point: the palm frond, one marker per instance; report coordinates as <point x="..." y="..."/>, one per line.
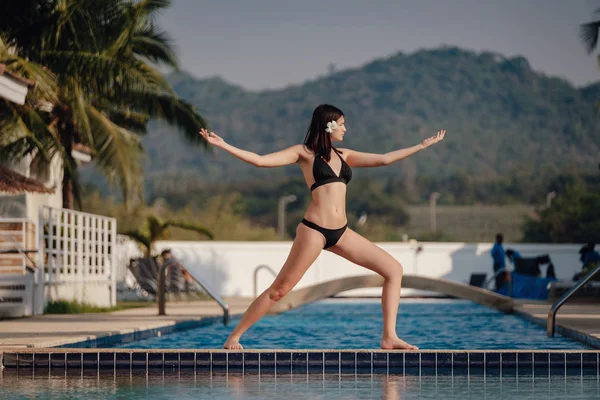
<point x="191" y="227"/>
<point x="105" y="74"/>
<point x="130" y="120"/>
<point x="171" y="109"/>
<point x="118" y="153"/>
<point x="149" y="7"/>
<point x="589" y="35"/>
<point x="81" y="121"/>
<point x="154" y="45"/>
<point x="24" y="133"/>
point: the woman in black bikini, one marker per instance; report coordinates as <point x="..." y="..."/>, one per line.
<point x="324" y="225"/>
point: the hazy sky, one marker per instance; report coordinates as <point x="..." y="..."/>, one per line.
<point x="261" y="44"/>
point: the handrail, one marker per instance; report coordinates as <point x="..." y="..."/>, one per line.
<point x="551" y="322"/>
<point x="215" y="297"/>
<point x="258" y="268"/>
<point x="203" y="285"/>
<point x="20" y="250"/>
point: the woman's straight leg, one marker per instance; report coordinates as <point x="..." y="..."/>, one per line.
<point x="361" y="251"/>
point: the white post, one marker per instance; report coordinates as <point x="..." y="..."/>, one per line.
<point x="113" y="261"/>
<point x="80" y="233"/>
<point x="50" y="252"/>
<point x="549" y="197"/>
<point x="432" y="217"/>
<point x="283" y="200"/>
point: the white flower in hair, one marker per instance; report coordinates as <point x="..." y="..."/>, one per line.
<point x="331" y="126"/>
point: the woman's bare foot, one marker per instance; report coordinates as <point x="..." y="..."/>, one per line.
<point x="232" y="344"/>
<point x="396" y="343"/>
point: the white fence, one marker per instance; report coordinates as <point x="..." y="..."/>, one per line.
<point x="78" y="255"/>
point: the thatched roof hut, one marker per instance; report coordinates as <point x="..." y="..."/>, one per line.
<point x="14" y="183"/>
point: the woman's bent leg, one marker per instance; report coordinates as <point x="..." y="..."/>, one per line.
<point x="306" y="248"/>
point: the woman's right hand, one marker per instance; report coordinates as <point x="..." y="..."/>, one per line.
<point x="212" y="138"/>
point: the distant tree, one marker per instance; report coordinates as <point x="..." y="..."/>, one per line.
<point x="574" y="217"/>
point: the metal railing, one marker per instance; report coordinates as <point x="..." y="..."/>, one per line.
<point x="551" y="322"/>
<point x="161" y="290"/>
<point x="20" y="250"/>
<point x="262" y="266"/>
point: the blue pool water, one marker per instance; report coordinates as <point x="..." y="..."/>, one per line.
<point x="271" y="386"/>
<point x="353" y="324"/>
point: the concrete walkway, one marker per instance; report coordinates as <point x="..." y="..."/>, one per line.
<point x="579" y="321"/>
<point x="58" y="330"/>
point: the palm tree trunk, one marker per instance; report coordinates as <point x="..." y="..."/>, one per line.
<point x="67" y="189"/>
<point x="66" y="137"/>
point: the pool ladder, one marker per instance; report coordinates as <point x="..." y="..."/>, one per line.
<point x="551" y="322"/>
<point x="161" y="290"/>
<point x="261" y="266"/>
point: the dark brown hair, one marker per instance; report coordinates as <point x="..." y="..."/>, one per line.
<point x="317" y="138"/>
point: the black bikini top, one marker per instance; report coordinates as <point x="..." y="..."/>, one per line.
<point x="323" y="173"/>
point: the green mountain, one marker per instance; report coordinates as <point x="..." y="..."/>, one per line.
<point x="501" y="117"/>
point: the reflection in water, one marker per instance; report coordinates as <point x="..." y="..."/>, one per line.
<point x="222" y="385"/>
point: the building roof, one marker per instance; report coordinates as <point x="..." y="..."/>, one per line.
<point x="13" y="182"/>
<point x="4" y="71"/>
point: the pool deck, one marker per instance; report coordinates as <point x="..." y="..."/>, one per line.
<point x="60" y="330"/>
<point x="578" y="321"/>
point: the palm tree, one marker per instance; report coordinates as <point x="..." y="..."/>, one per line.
<point x="103" y="54"/>
<point x="155" y="230"/>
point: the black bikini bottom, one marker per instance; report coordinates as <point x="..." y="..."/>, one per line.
<point x="332" y="236"/>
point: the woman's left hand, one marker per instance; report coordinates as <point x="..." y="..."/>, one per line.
<point x="434" y="139"/>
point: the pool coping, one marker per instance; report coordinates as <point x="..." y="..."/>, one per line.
<point x="294" y="361"/>
<point x="96" y="344"/>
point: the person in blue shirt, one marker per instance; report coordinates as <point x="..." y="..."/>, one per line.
<point x="498" y="255"/>
<point x="589" y="259"/>
<point x="591" y="256"/>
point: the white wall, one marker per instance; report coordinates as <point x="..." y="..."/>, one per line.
<point x="229" y="266"/>
<point x="53" y="178"/>
<point x="98" y="293"/>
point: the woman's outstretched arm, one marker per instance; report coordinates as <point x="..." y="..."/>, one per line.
<point x="360" y="159"/>
<point x="277" y="159"/>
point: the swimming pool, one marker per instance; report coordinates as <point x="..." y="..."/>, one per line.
<point x="356" y="324"/>
<point x="191" y="366"/>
